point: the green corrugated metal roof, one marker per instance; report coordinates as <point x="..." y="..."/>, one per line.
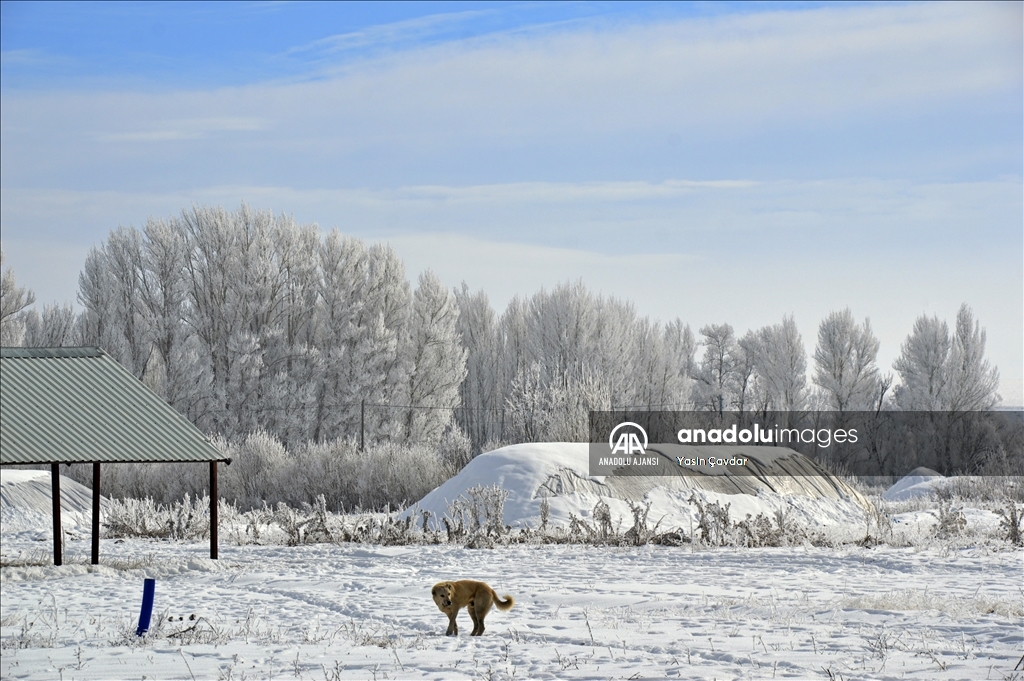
<point x="77" y="405"/>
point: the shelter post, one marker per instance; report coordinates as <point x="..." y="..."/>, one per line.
<point x="213" y="510"/>
<point x="96" y="513"/>
<point x="58" y="552"/>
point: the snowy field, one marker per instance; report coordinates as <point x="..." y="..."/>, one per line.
<point x="924" y="608"/>
<point x="357" y="612"/>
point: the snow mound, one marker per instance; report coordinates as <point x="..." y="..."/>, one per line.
<point x="26" y="502"/>
<point x="920" y="482"/>
<point x="559" y="472"/>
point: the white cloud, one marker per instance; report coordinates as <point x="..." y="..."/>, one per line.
<point x="546" y="100"/>
<point x="386" y="34"/>
<point x="861" y="215"/>
<point x="25" y="57"/>
<point x="187" y="129"/>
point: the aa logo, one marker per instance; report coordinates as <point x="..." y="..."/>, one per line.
<point x="628" y="442"/>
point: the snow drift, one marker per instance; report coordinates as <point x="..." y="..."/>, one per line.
<point x="919" y="483"/>
<point x="786" y="481"/>
<point x="26" y="502"/>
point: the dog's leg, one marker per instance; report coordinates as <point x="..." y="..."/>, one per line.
<point x="453" y="628"/>
<point x="481" y="607"/>
<point x="477" y="624"/>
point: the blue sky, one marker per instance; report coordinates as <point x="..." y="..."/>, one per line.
<point x="716" y="162"/>
<point x="210" y="44"/>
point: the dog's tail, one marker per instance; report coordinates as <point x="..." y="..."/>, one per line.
<point x="504" y="604"/>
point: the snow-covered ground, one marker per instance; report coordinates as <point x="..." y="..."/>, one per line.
<point x="936" y="609"/>
<point x="351" y="611"/>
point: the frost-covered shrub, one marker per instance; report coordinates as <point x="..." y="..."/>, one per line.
<point x="981" y="489"/>
<point x="309" y="526"/>
<point x="951" y="523"/>
<point x="391" y="475"/>
<point x="602" y="515"/>
<point x="759" y="531"/>
<point x="1011" y="522"/>
<point x="879" y="525"/>
<point x="477" y="516"/>
<point x="455" y="449"/>
<point x="258" y="469"/>
<point x="327" y="469"/>
<point x="264" y="472"/>
<point x="162" y="482"/>
<point x="713" y="522"/>
<point x="640" y="533"/>
<point x="186" y="519"/>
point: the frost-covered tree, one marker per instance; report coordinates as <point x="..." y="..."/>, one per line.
<point x="162" y="290"/>
<point x="245" y="320"/>
<point x="348" y="369"/>
<point x="110" y="288"/>
<point x="563" y="325"/>
<point x="125" y="260"/>
<point x="747" y="389"/>
<point x="620" y="354"/>
<point x="213" y="314"/>
<point x="923" y="366"/>
<point x="716" y="375"/>
<point x="527" y="405"/>
<point x="13" y="299"/>
<point x="554" y="411"/>
<point x="96" y="295"/>
<point x="569" y="352"/>
<point x="432" y="351"/>
<point x="680" y="348"/>
<point x="383" y="318"/>
<point x="972" y="380"/>
<point x="782" y="366"/>
<point x="480" y="393"/>
<point x="939" y="372"/>
<point x="57" y="327"/>
<point x="658" y="382"/>
<point x="568" y="403"/>
<point x="844" y="359"/>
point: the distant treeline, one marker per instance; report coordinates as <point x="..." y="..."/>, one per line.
<point x="246" y="321"/>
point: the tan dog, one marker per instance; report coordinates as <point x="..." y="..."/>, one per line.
<point x="476" y="597"/>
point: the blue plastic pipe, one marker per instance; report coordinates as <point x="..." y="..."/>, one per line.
<point x="148" y="591"/>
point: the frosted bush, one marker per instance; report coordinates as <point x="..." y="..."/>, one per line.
<point x="325" y="469"/>
<point x="455" y="448"/>
<point x="256" y="471"/>
<point x="477" y="516"/>
<point x="1012" y="523"/>
<point x="162" y="482"/>
<point x="186" y="519"/>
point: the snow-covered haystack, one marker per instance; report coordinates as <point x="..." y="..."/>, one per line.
<point x="26" y="502"/>
<point x="919" y="483"/>
<point x="785" y="481"/>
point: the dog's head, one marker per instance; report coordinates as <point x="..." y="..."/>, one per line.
<point x="442" y="593"/>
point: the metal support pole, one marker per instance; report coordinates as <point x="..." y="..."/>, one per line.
<point x="213" y="510"/>
<point x="58" y="553"/>
<point x="96" y="513"/>
<point x="362" y="423"/>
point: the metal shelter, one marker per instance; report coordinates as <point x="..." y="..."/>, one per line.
<point x="78" y="405"/>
